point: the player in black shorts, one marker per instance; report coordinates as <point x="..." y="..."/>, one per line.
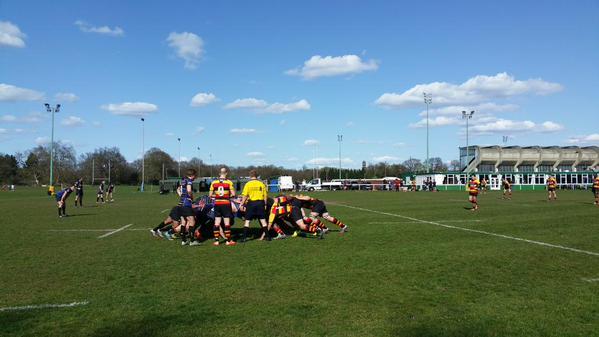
<point x="109" y="193"/>
<point x="79" y="192"/>
<point x="172" y="221"/>
<point x="319" y="209"/>
<point x="100" y="195"/>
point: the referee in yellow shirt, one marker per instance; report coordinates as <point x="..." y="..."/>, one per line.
<point x="254" y="199"/>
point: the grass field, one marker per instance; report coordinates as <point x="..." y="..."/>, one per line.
<point x="398" y="272"/>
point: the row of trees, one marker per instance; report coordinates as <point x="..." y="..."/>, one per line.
<point x="33" y="167"/>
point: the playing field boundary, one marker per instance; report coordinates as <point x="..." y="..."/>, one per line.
<point x="540" y="243"/>
<point x="44" y="306"/>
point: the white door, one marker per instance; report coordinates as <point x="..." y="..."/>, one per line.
<point x="494" y="183"/>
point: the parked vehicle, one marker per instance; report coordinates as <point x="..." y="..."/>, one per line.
<point x="317" y="185"/>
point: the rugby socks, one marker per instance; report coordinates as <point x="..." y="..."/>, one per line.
<point x="312" y="228"/>
<point x="228" y="232"/>
<point x="216" y="232"/>
<point x="246" y="230"/>
<point x="278" y="230"/>
<point x="160" y="226"/>
<point x="191" y="233"/>
<point x="59" y="211"/>
<point x="321" y="224"/>
<point x="337" y="222"/>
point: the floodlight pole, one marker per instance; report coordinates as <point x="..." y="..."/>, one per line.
<point x="467" y="116"/>
<point x="143" y="154"/>
<point x="428" y="99"/>
<point x="339" y="139"/>
<point x="179" y="140"/>
<point x="210" y="155"/>
<point x="200" y="162"/>
<point x="52" y="110"/>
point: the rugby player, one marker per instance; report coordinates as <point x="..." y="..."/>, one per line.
<point x="109" y="192"/>
<point x="254" y="196"/>
<point x="473" y="187"/>
<point x="100" y="194"/>
<point x="283" y="209"/>
<point x="596" y="189"/>
<point x="186" y="210"/>
<point x="79" y="192"/>
<point x="319" y="209"/>
<point x="483" y="185"/>
<point x="61" y="200"/>
<point x="507" y="189"/>
<point x="171" y="222"/>
<point x="222" y="190"/>
<point x="551" y="186"/>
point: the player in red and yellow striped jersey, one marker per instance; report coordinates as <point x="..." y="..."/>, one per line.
<point x="507" y="189"/>
<point x="222" y="190"/>
<point x="551" y="187"/>
<point x="282" y="208"/>
<point x="473" y="187"/>
<point x="596" y="189"/>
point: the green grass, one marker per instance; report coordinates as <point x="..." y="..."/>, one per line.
<point x="386" y="277"/>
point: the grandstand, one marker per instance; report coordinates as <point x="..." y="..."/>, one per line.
<point x="527" y="167"/>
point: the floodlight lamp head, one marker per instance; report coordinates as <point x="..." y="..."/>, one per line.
<point x="57" y="109"/>
<point x="143" y="119"/>
<point x="47" y="107"/>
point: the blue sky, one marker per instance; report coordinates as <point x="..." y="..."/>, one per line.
<point x="276" y="81"/>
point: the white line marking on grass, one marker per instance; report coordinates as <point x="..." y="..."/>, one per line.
<point x="164" y="210"/>
<point x="139" y="229"/>
<point x="115" y="231"/>
<point x="409" y="222"/>
<point x="591" y="279"/>
<point x="81" y="230"/>
<point x="44" y="306"/>
<point x="540" y="243"/>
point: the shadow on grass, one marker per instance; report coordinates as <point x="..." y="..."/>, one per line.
<point x="158" y="325"/>
<point x="446" y="329"/>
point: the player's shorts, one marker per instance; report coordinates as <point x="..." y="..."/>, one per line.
<point x="58" y="197"/>
<point x="296" y="214"/>
<point x="255" y="210"/>
<point x="223" y="211"/>
<point x="596" y="193"/>
<point x="175" y="213"/>
<point x="473" y="194"/>
<point x="79" y="192"/>
<point x="100" y="194"/>
<point x="185" y="211"/>
<point x="319" y="207"/>
<point x="551" y="189"/>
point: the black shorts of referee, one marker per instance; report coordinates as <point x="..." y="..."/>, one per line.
<point x="254" y="209"/>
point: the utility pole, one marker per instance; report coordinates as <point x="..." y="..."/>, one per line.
<point x="52" y="110"/>
<point x="339" y="139"/>
<point x="467" y="116"/>
<point x="143" y="154"/>
<point x="428" y="99"/>
<point x="179" y="140"/>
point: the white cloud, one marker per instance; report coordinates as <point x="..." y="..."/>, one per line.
<point x="202" y="99"/>
<point x="586" y="139"/>
<point x="96" y="124"/>
<point x="183" y="158"/>
<point x="247" y="103"/>
<point x="292" y="159"/>
<point x="66" y="97"/>
<point x="11" y="93"/>
<point x="169" y="134"/>
<point x="550" y="126"/>
<point x="311" y="142"/>
<point x="11" y="35"/>
<point x="400" y="144"/>
<point x="477" y="89"/>
<point x="369" y="142"/>
<point x="318" y="66"/>
<point x="329" y="161"/>
<point x="280" y="108"/>
<point x="104" y="30"/>
<point x="255" y="154"/>
<point x="3" y="131"/>
<point x="456" y="110"/>
<point x="242" y="131"/>
<point x="72" y="121"/>
<point x="200" y="130"/>
<point x="8" y="118"/>
<point x="437" y="121"/>
<point x="187" y="46"/>
<point x="385" y="159"/>
<point x="130" y="108"/>
<point x="34" y="117"/>
<point x="349" y="124"/>
<point x="42" y="140"/>
<point x="502" y="126"/>
<point x="263" y="106"/>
